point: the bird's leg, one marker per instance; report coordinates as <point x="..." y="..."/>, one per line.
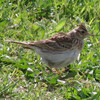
<point x="66" y="69"/>
<point x="63" y="70"/>
<point x="58" y="72"/>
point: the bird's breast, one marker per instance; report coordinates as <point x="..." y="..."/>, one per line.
<point x="77" y="44"/>
<point x="56" y="59"/>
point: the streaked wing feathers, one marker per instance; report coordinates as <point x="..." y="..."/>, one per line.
<point x="60" y="41"/>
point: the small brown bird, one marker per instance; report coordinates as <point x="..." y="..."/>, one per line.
<point x="61" y="49"/>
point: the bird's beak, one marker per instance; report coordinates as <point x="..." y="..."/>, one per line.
<point x="90" y="34"/>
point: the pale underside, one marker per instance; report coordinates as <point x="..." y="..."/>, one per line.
<point x="57" y="59"/>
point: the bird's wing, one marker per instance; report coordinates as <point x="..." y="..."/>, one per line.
<point x="60" y="41"/>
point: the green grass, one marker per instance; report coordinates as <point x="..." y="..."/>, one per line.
<point x="29" y="20"/>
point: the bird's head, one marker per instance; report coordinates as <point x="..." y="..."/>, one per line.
<point x="81" y="32"/>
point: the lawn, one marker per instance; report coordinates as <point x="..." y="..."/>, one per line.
<point x="23" y="75"/>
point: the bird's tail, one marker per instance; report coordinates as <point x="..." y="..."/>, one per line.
<point x="27" y="45"/>
<point x="18" y="42"/>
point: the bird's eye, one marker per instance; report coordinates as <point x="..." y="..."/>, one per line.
<point x="82" y="31"/>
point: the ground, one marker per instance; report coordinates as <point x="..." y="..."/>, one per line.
<point x="23" y="75"/>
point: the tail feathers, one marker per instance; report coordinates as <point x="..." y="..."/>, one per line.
<point x="18" y="42"/>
